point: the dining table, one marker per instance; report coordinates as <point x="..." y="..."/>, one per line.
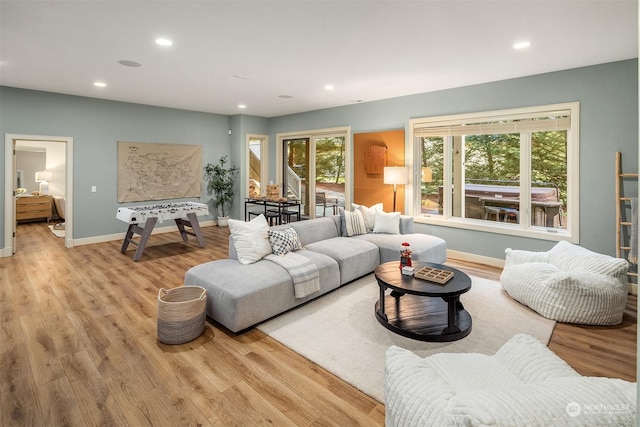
<point x="276" y="208"/>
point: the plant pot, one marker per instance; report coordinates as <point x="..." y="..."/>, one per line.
<point x="223" y="221"/>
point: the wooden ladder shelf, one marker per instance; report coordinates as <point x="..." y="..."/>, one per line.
<point x="623" y="227"/>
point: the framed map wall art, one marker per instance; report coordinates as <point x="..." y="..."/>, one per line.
<point x="153" y="171"/>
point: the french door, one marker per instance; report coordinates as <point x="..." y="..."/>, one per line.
<point x="314" y="168"/>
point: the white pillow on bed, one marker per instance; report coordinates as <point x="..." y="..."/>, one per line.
<point x="251" y="239"/>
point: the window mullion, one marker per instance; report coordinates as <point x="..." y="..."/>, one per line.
<point x="447" y="198"/>
<point x="525" y="180"/>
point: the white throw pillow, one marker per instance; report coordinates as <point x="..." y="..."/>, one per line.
<point x="387" y="222"/>
<point x="354" y="223"/>
<point x="368" y="214"/>
<point x="251" y="239"/>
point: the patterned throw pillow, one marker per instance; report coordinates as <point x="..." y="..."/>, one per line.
<point x="354" y="223"/>
<point x="283" y="241"/>
<point x="368" y="214"/>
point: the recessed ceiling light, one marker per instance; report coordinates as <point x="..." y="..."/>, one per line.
<point x="521" y="45"/>
<point x="127" y="63"/>
<point x="242" y="106"/>
<point x="164" y="42"/>
<point x="100" y="84"/>
<point x="329" y="87"/>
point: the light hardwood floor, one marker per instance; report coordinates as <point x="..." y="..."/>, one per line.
<point x="78" y="346"/>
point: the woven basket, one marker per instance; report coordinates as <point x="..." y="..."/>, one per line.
<point x="181" y="314"/>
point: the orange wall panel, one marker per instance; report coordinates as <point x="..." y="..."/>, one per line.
<point x="369" y="189"/>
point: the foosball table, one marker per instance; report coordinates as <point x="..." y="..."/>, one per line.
<point x="184" y="214"/>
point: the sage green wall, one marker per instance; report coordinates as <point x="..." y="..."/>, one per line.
<point x="96" y="126"/>
<point x="608" y="96"/>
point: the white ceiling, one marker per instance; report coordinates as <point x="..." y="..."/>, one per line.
<point x="227" y="53"/>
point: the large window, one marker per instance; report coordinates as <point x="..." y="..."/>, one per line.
<point x="511" y="171"/>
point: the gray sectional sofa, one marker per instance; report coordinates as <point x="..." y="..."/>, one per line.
<point x="240" y="296"/>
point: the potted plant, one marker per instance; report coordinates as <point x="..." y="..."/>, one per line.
<point x="220" y="182"/>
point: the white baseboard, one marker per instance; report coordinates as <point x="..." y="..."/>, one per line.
<point x="7" y="252"/>
<point x="120" y="236"/>
<point x="480" y="259"/>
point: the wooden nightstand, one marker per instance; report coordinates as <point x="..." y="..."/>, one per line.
<point x="31" y="208"/>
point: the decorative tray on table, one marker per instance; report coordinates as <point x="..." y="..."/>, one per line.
<point x="435" y="275"/>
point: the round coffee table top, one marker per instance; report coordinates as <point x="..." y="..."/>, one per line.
<point x="390" y="274"/>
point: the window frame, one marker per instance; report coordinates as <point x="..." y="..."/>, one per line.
<point x="524" y="228"/>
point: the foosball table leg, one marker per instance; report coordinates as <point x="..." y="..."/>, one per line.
<point x="127" y="238"/>
<point x="192" y="221"/>
<point x="145" y="233"/>
<point x="144" y="237"/>
<point x="195" y="225"/>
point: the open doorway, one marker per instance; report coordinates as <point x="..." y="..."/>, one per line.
<point x="39" y="171"/>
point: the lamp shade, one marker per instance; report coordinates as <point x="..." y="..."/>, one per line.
<point x="43" y="176"/>
<point x="396" y="175"/>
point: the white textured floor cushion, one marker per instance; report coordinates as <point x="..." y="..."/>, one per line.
<point x="568" y="283"/>
<point x="523" y="384"/>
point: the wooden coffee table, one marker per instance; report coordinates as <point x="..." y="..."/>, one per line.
<point x="419" y="309"/>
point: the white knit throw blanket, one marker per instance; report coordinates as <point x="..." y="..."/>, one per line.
<point x="306" y="279"/>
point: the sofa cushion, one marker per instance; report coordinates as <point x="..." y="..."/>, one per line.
<point x="355" y="257"/>
<point x="240" y="296"/>
<point x="313" y="230"/>
<point x="250" y="239"/>
<point x="424" y="247"/>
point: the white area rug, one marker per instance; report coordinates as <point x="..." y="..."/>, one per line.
<point x="339" y="331"/>
<point x="57" y="233"/>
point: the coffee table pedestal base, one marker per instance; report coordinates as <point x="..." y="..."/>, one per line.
<point x="424" y="318"/>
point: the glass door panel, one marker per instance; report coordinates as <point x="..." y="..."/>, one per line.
<point x="294" y="178"/>
<point x="329" y="174"/>
<point x="256" y="187"/>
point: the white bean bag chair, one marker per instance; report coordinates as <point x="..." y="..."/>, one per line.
<point x="523" y="384"/>
<point x="568" y="283"/>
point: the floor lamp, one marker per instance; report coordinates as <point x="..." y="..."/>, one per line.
<point x="396" y="175"/>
